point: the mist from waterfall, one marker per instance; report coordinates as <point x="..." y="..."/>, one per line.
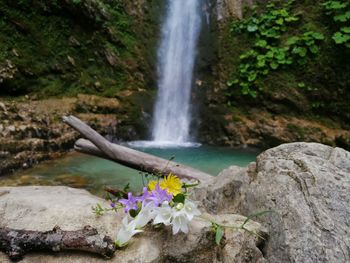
<point x="176" y="57"/>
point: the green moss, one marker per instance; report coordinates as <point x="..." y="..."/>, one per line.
<point x="60" y="52"/>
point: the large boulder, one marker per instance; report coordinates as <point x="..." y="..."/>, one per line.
<point x="308" y="186"/>
<point x="42" y="208"/>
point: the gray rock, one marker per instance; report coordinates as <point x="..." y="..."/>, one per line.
<point x="231" y="8"/>
<point x="2" y="107"/>
<point x="7" y="70"/>
<point x="42" y="208"/>
<point x="11" y="128"/>
<point x="308" y="185"/>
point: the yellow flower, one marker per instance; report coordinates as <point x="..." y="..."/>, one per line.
<point x="152" y="185"/>
<point x="172" y="184"/>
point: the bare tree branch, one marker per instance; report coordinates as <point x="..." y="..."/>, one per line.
<point x="17" y="243"/>
<point x="97" y="145"/>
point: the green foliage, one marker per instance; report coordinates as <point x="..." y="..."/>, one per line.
<point x="340" y="12"/>
<point x="65" y="53"/>
<point x="219" y="232"/>
<point x="77" y="2"/>
<point x="218" y="228"/>
<point x="179" y="198"/>
<point x="271" y="50"/>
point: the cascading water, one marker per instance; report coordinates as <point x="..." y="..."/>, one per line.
<point x="176" y="56"/>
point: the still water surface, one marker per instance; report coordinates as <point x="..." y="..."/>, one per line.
<point x="91" y="173"/>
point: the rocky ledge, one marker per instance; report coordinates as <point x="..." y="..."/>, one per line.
<point x="307" y="186"/>
<point x="32" y="130"/>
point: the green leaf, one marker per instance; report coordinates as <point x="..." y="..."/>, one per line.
<point x="274" y="65"/>
<point x="289" y="61"/>
<point x="291" y="19"/>
<point x="279" y="21"/>
<point x="218" y="235"/>
<point x="342" y="17"/>
<point x="133" y="213"/>
<point x="252" y="28"/>
<point x="318" y="35"/>
<point x="346" y="29"/>
<point x="244" y="88"/>
<point x="313" y="49"/>
<point x="271" y="33"/>
<point x="280" y="55"/>
<point x="269" y="54"/>
<point x="335" y="5"/>
<point x="292" y="40"/>
<point x="253" y="93"/>
<point x="232" y="82"/>
<point x="179" y="198"/>
<point x="261" y="43"/>
<point x="340" y="38"/>
<point x="301" y="85"/>
<point x="261" y="63"/>
<point x="301" y="51"/>
<point x="252" y="76"/>
<point x="265" y="72"/>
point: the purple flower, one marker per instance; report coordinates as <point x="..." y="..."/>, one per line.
<point x="113" y="205"/>
<point x="130" y="203"/>
<point x="158" y="196"/>
<point x="145" y="196"/>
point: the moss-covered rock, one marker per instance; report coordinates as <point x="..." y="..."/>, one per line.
<point x="68" y="47"/>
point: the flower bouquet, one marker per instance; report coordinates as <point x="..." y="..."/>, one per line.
<point x="163" y="201"/>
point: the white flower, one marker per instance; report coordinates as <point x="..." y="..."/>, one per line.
<point x="191" y="210"/>
<point x="180" y="222"/>
<point x="163" y="214"/>
<point x="146" y="214"/>
<point x="182" y="215"/>
<point x="126" y="232"/>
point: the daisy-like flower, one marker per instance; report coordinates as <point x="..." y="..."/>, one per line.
<point x="126" y="232"/>
<point x="152" y="185"/>
<point x="172" y="184"/>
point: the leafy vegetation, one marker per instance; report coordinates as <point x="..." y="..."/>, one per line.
<point x="340" y="13"/>
<point x="65" y="49"/>
<point x="271" y="50"/>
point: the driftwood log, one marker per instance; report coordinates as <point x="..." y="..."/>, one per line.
<point x="97" y="145"/>
<point x="17" y="243"/>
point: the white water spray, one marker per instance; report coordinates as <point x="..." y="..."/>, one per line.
<point x="176" y="56"/>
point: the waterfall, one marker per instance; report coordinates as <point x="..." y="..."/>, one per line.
<point x="176" y="56"/>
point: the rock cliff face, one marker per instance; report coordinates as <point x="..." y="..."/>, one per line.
<point x="307" y="186"/>
<point x="32" y="130"/>
<point x="231" y="8"/>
